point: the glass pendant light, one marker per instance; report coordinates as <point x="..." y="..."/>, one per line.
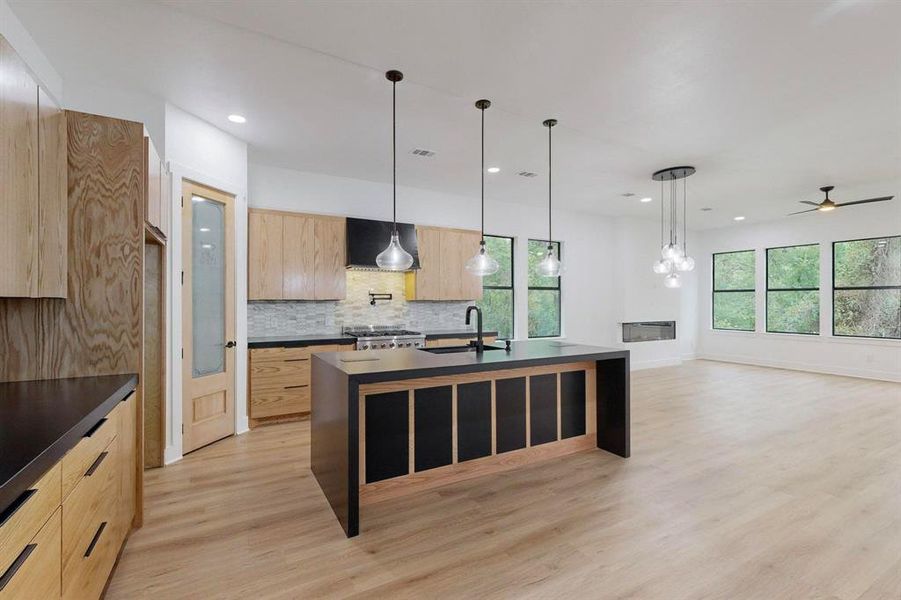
<point x="672" y="280"/>
<point x="394" y="257"/>
<point x="674" y="257"/>
<point x="482" y="263"/>
<point x="550" y="265"/>
<point x="663" y="266"/>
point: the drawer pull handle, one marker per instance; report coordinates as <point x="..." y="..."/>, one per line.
<point x="94" y="429"/>
<point x="95" y="465"/>
<point x="18" y="503"/>
<point x="95" y="539"/>
<point x="291" y="387"/>
<point x="295" y="359"/>
<point x="17" y="564"/>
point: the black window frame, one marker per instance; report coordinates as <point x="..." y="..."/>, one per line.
<point x="769" y="289"/>
<point x="715" y="291"/>
<point x="866" y="287"/>
<point x="558" y="288"/>
<point x="511" y="287"/>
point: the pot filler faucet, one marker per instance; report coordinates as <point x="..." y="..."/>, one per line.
<point x="479" y="343"/>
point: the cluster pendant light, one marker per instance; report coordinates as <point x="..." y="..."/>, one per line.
<point x="674" y="256"/>
<point x="550" y="265"/>
<point x="394" y="257"/>
<point x="482" y="264"/>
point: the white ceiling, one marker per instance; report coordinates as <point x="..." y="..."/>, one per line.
<point x="769" y="100"/>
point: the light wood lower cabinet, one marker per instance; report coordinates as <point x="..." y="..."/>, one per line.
<point x="60" y="539"/>
<point x="280" y="381"/>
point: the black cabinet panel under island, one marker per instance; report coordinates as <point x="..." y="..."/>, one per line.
<point x="391" y="422"/>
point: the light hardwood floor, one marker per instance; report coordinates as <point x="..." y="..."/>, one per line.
<point x="744" y="482"/>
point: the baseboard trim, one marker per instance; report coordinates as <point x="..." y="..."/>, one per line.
<point x="809" y="368"/>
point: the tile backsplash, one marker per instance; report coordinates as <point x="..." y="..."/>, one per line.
<point x="304" y="317"/>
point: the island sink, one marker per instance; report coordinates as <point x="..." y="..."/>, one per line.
<point x="386" y="423"/>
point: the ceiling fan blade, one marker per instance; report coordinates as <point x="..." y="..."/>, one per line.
<point x="882" y="199"/>
<point x="803" y="211"/>
<point x="809" y="202"/>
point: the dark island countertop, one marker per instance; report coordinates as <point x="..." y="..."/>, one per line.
<point x="370" y="366"/>
<point x="42" y="420"/>
<point x="313" y="339"/>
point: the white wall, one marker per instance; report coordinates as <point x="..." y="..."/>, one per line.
<point x="200" y="152"/>
<point x="607" y="276"/>
<point x="16" y="34"/>
<point x="880" y="359"/>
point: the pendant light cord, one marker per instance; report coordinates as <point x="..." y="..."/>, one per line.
<point x="483" y="176"/>
<point x="394" y="155"/>
<point x="684" y="220"/>
<point x="550" y="243"/>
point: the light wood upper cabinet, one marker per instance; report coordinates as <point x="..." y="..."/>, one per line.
<point x="264" y="256"/>
<point x="298" y="257"/>
<point x="330" y="276"/>
<point x="52" y="198"/>
<point x="152" y="185"/>
<point x="294" y="256"/>
<point x="165" y="199"/>
<point x="442" y="257"/>
<point x="33" y="223"/>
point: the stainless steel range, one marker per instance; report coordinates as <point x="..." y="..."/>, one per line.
<point x="385" y="337"/>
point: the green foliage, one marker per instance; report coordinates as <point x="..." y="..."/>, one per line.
<point x="501" y="248"/>
<point x="867" y="312"/>
<point x="733" y="310"/>
<point x="544" y="304"/>
<point x="733" y="271"/>
<point x="497" y="304"/>
<point x="793" y="312"/>
<point x="793" y="267"/>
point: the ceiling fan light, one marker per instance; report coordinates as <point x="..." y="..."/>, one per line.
<point x="826" y="207"/>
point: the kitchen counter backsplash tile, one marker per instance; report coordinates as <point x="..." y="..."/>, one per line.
<point x="287" y="317"/>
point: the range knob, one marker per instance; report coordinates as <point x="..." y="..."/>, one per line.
<point x="392" y="345"/>
<point x="364" y="347"/>
<point x="384" y="345"/>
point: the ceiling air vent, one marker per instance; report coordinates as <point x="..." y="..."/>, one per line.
<point x="527" y="174"/>
<point x="422" y="152"/>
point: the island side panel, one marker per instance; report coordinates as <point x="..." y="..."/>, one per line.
<point x="613" y="406"/>
<point x="334" y="449"/>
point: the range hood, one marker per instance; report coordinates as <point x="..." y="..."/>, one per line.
<point x="366" y="238"/>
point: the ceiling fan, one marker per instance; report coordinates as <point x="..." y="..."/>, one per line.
<point x="827" y="204"/>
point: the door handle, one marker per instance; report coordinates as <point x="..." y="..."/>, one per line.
<point x="230" y="344"/>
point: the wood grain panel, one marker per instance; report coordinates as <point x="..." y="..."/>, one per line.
<point x="42" y="499"/>
<point x="154" y="353"/>
<point x="298" y="256"/>
<point x="165" y="199"/>
<point x="264" y="255"/>
<point x="470" y="285"/>
<point x="39" y="574"/>
<point x="52" y="198"/>
<point x="452" y="261"/>
<point x="18" y="176"/>
<point x="330" y="271"/>
<point x="425" y="284"/>
<point x="152" y="185"/>
<point x="279" y="401"/>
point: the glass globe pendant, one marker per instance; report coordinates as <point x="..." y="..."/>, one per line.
<point x="550" y="265"/>
<point x="671" y="252"/>
<point x="663" y="266"/>
<point x="394" y="257"/>
<point x="672" y="280"/>
<point x="482" y="264"/>
<point x="685" y="263"/>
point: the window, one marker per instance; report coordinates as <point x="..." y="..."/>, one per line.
<point x="866" y="288"/>
<point x="544" y="294"/>
<point x="733" y="290"/>
<point x="793" y="289"/>
<point x="497" y="289"/>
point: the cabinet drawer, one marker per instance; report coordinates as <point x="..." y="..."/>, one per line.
<point x="34" y="572"/>
<point x="275" y="402"/>
<point x="94" y="500"/>
<point x="268" y="375"/>
<point x="86" y="572"/>
<point x="259" y="355"/>
<point x="79" y="459"/>
<point x="21" y="521"/>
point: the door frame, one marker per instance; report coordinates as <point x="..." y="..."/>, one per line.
<point x="185" y="186"/>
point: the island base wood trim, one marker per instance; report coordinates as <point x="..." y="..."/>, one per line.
<point x="441" y="380"/>
<point x="426" y="480"/>
<point x="274" y="419"/>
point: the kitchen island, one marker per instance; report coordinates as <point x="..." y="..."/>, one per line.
<point x="392" y="422"/>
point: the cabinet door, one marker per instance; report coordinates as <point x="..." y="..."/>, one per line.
<point x="18" y="176"/>
<point x="471" y="285"/>
<point x="152" y="184"/>
<point x="53" y="199"/>
<point x="298" y="252"/>
<point x="264" y="255"/>
<point x="329" y="266"/>
<point x="452" y="261"/>
<point x="165" y="199"/>
<point x="428" y="277"/>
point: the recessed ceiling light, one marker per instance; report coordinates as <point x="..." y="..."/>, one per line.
<point x="738" y="218"/>
<point x="206" y="246"/>
<point x="647" y="199"/>
<point x="237" y="119"/>
<point x="204" y="229"/>
<point x="493" y="169"/>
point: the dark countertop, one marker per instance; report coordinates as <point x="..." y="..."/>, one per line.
<point x="371" y="366"/>
<point x="42" y="420"/>
<point x="313" y="339"/>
